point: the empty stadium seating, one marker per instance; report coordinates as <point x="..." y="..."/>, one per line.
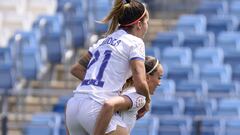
<point x="200" y="53"/>
<point x="208" y="56"/>
<point x="197" y="40"/>
<point x="228" y="107"/>
<point x="175" y="125"/>
<point x="223" y="90"/>
<point x="216" y="73"/>
<point x="209" y="8"/>
<point x="167" y="39"/>
<point x="182" y="72"/>
<point x="218" y="24"/>
<point x="199" y="107"/>
<point x="166" y="89"/>
<point x="146" y="126"/>
<point x="166" y="106"/>
<point x="191" y="89"/>
<point x="177" y="56"/>
<point x="43" y="123"/>
<point x="228" y="40"/>
<point x="191" y="24"/>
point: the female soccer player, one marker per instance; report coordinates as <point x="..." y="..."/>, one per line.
<point x="107" y="65"/>
<point x="130" y="102"/>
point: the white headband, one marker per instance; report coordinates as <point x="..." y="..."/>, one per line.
<point x="155" y="66"/>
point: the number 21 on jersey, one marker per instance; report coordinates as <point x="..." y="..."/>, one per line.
<point x="98" y="80"/>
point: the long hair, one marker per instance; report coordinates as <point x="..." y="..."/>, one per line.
<point x="122" y="13"/>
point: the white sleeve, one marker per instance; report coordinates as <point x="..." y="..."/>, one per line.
<point x="137" y="50"/>
<point x="138" y="101"/>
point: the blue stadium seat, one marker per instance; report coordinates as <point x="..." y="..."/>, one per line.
<point x="209" y="8"/>
<point x="30" y="66"/>
<point x="218" y="24"/>
<point x="21" y="40"/>
<point x="182" y="72"/>
<point x="43" y="124"/>
<point x="6" y="55"/>
<point x="147" y="125"/>
<point x="232" y="126"/>
<point x="191" y="23"/>
<point x="223" y="90"/>
<point x="216" y="73"/>
<point x="153" y="51"/>
<point x="7" y="76"/>
<point x="229" y="41"/>
<point x="234" y="8"/>
<point x="75" y="23"/>
<point x="236" y="73"/>
<point x="167" y="39"/>
<point x="179" y="125"/>
<point x="200" y="107"/>
<point x="166" y="89"/>
<point x="162" y="107"/>
<point x="54" y="48"/>
<point x="100" y="10"/>
<point x="228" y="107"/>
<point x="63" y="130"/>
<point x="75" y="6"/>
<point x="27" y="54"/>
<point x="59" y="107"/>
<point x="177" y="56"/>
<point x="53" y="23"/>
<point x="76" y="31"/>
<point x="232" y="57"/>
<point x="208" y="126"/>
<point x="48" y="24"/>
<point x="191" y="88"/>
<point x="196" y="40"/>
<point x="208" y="56"/>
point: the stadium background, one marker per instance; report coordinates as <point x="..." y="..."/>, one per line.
<point x="197" y="41"/>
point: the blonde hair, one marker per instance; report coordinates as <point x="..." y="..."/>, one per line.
<point x="123" y="12"/>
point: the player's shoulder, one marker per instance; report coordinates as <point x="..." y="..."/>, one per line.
<point x="133" y="40"/>
<point x="129" y="38"/>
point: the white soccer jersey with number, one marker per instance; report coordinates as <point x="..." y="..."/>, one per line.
<point x="109" y="66"/>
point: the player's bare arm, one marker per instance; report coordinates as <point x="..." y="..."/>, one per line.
<point x="79" y="69"/>
<point x="111" y="106"/>
<point x="139" y="78"/>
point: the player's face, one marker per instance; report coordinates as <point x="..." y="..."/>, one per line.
<point x="155" y="79"/>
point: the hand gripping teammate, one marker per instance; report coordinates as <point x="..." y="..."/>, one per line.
<point x="130" y="102"/>
<point x="107" y="65"/>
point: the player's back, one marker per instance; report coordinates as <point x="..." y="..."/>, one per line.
<point x="109" y="66"/>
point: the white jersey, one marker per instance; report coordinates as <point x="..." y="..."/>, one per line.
<point x="109" y="66"/>
<point x="138" y="101"/>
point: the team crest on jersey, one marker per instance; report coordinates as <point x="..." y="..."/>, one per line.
<point x="140" y="101"/>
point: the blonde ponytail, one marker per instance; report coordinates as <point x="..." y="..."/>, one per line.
<point x="113" y="16"/>
<point x="125" y="13"/>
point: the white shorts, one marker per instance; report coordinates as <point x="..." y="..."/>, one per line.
<point x="81" y="114"/>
